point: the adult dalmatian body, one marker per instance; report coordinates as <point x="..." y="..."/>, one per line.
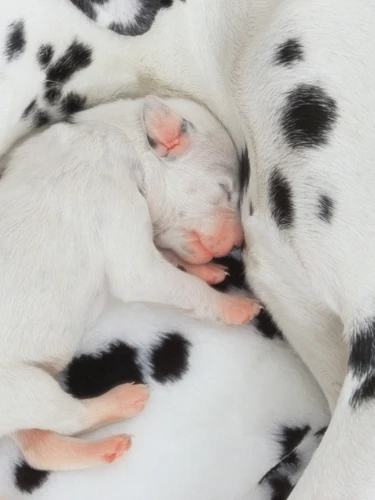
<point x="293" y="82"/>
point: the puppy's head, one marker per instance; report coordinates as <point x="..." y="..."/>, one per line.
<point x="193" y="188"/>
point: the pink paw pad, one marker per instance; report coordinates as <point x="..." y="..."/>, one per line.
<point x="129" y="399"/>
<point x="115" y="448"/>
<point x="236" y="310"/>
<point x="211" y="273"/>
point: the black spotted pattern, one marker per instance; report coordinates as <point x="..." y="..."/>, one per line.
<point x="86" y="6"/>
<point x="244" y="172"/>
<point x="266" y="325"/>
<point x="325" y="208"/>
<point x="72" y="103"/>
<point x="143" y="20"/>
<point x="280" y="479"/>
<point x="308" y="117"/>
<point x="44" y="55"/>
<point x="76" y="57"/>
<point x="281" y="199"/>
<point x="28" y="479"/>
<point x="289" y="52"/>
<point x="320" y="433"/>
<point x="362" y="363"/>
<point x="29" y="109"/>
<point x="290" y="437"/>
<point x="41" y="118"/>
<point x="170" y="359"/>
<point x="281" y="486"/>
<point x="52" y="95"/>
<point x="91" y="375"/>
<point x="15" y="42"/>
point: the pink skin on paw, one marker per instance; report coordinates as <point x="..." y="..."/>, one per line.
<point x="119" y="446"/>
<point x="211" y="273"/>
<point x="47" y="450"/>
<point x="236" y="310"/>
<point x="124" y="401"/>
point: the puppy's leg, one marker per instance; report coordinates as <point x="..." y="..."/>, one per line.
<point x="32" y="399"/>
<point x="159" y="281"/>
<point x="211" y="273"/>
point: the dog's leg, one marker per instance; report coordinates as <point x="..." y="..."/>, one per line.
<point x="211" y="273"/>
<point x="343" y="466"/>
<point x="32" y="399"/>
<point x="136" y="271"/>
<point x="278" y="278"/>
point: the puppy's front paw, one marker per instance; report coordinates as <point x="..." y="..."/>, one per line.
<point x="236" y="309"/>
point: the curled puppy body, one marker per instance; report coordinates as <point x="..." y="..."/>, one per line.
<point x="232" y="413"/>
<point x="81" y="206"/>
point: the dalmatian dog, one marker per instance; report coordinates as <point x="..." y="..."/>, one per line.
<point x="85" y="203"/>
<point x="292" y="83"/>
<point x="233" y="413"/>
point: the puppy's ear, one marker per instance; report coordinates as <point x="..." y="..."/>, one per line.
<point x="168" y="134"/>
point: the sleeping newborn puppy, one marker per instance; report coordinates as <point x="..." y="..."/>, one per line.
<point x="81" y="206"/>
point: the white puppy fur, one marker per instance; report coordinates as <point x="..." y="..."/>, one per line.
<point x="75" y="228"/>
<point x="210" y="435"/>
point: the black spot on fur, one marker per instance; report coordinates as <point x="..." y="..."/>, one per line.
<point x="143" y="20"/>
<point x="362" y="351"/>
<point x="91" y="375"/>
<point x="72" y="103"/>
<point x="41" y="118"/>
<point x="281" y="487"/>
<point x="281" y="203"/>
<point x="15" y="42"/>
<point x="52" y="95"/>
<point x="266" y="325"/>
<point x="118" y="28"/>
<point x="320" y="433"/>
<point x="236" y="274"/>
<point x="308" y="117"/>
<point x="251" y="209"/>
<point x="292" y="459"/>
<point x="28" y="479"/>
<point x="364" y="392"/>
<point x="170" y="358"/>
<point x="289" y="52"/>
<point x="277" y="480"/>
<point x="76" y="57"/>
<point x="290" y="437"/>
<point x="362" y="363"/>
<point x="45" y="54"/>
<point x="86" y="7"/>
<point x="29" y="109"/>
<point x="244" y="172"/>
<point x="325" y="208"/>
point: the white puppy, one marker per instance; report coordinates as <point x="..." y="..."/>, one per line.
<point x="81" y="205"/>
<point x="232" y="414"/>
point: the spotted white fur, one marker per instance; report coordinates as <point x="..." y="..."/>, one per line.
<point x="212" y="434"/>
<point x="287" y="80"/>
